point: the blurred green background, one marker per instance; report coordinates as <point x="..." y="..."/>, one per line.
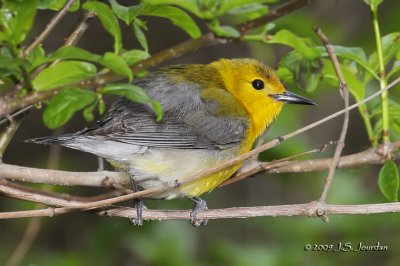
<point x="86" y="239"/>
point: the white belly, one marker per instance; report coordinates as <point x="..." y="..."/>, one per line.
<point x="162" y="167"/>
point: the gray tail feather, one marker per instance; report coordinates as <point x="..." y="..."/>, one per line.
<point x="50" y="140"/>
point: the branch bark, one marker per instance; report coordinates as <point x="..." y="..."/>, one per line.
<point x="109" y="178"/>
<point x="274" y="14"/>
<point x="64" y="178"/>
<point x="50" y="27"/>
<point x="104" y="208"/>
<point x="344" y="92"/>
<point x="311" y="209"/>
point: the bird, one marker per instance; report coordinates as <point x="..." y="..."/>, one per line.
<point x="212" y="113"/>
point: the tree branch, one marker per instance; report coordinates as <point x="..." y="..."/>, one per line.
<point x="110" y="179"/>
<point x="369" y="156"/>
<point x="311" y="209"/>
<point x="244" y="172"/>
<point x="344" y="92"/>
<point x="64" y="178"/>
<point x="274" y="14"/>
<point x="8" y="133"/>
<point x="49" y="27"/>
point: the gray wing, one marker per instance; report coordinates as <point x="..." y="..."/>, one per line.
<point x="189" y="121"/>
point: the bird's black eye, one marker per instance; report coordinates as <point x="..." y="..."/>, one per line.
<point x="258" y="84"/>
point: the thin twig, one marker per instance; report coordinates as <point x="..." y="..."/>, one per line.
<point x="369" y="156"/>
<point x="79" y="29"/>
<point x="13" y="192"/>
<point x="49" y="27"/>
<point x="16" y="114"/>
<point x="7" y="134"/>
<point x="62" y="197"/>
<point x="274" y="14"/>
<point x="344" y="92"/>
<point x="72" y="38"/>
<point x="265" y="166"/>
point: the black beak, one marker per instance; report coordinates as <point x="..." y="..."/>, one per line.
<point x="290" y="97"/>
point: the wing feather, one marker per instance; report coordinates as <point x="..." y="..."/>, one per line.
<point x="189" y="121"/>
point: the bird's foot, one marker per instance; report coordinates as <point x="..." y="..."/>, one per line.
<point x="138" y="204"/>
<point x="200" y="205"/>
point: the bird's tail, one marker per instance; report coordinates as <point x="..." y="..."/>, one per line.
<point x="50" y="140"/>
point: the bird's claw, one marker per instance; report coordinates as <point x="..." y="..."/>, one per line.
<point x="138" y="205"/>
<point x="200" y="205"/>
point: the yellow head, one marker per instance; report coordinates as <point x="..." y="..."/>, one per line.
<point x="257" y="88"/>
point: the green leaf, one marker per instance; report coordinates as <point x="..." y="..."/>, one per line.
<point x="285" y="74"/>
<point x="224" y="31"/>
<point x="117" y="64"/>
<point x="190" y="5"/>
<point x="241" y="4"/>
<point x="88" y="112"/>
<point x="63" y="73"/>
<point x="135" y="94"/>
<point x="306" y="73"/>
<point x="109" y="21"/>
<point x="140" y="36"/>
<point x="133" y="56"/>
<point x="130" y="91"/>
<point x="102" y="105"/>
<point x="10" y="65"/>
<point x="63" y="106"/>
<point x="378" y="129"/>
<point x="56" y="5"/>
<point x="248" y="12"/>
<point x="73" y="52"/>
<point x="312" y="81"/>
<point x="356" y="88"/>
<point x="247" y="8"/>
<point x="16" y="18"/>
<point x="394" y="70"/>
<point x="396" y="127"/>
<point x="36" y="56"/>
<point x="208" y="9"/>
<point x="302" y="45"/>
<point x="389" y="181"/>
<point x="390" y="46"/>
<point x="373" y="3"/>
<point x="355" y="54"/>
<point x="178" y="17"/>
<point x="157" y="108"/>
<point x="127" y="14"/>
<point x="68" y="52"/>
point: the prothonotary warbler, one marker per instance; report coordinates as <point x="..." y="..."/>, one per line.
<point x="212" y="113"/>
